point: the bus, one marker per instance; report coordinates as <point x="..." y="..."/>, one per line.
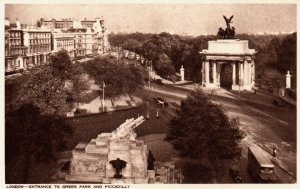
<point x="260" y="167"/>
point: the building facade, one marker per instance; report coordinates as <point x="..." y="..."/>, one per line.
<point x="15" y="51"/>
<point x="39" y="46"/>
<point x="25" y="48"/>
<point x="64" y="41"/>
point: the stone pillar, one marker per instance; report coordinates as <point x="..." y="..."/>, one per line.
<point x="288" y="80"/>
<point x="35" y="59"/>
<point x="44" y="58"/>
<point x="241" y="75"/>
<point x="8" y="68"/>
<point x="218" y="74"/>
<point x="207" y="72"/>
<point x="246" y="82"/>
<point x="253" y="72"/>
<point x="21" y="63"/>
<point x="25" y="62"/>
<point x="233" y="74"/>
<point x="182" y="73"/>
<point x="203" y="73"/>
<point x="214" y="73"/>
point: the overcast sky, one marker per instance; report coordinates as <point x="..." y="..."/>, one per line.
<point x="193" y="19"/>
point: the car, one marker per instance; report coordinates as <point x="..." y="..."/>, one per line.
<point x="235" y="174"/>
<point x="277" y="103"/>
<point x="161" y="102"/>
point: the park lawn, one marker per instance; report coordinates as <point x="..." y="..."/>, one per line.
<point x="88" y="127"/>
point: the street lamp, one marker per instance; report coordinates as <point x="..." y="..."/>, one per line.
<point x="148" y="115"/>
<point x="103" y="86"/>
<point x="149" y="76"/>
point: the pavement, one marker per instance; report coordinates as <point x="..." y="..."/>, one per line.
<point x="153" y="75"/>
<point x="95" y="106"/>
<point x="285" y="97"/>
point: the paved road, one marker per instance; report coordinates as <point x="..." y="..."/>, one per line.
<point x="264" y="124"/>
<point x="88" y="127"/>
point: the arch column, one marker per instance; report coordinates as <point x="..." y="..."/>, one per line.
<point x="214" y="72"/>
<point x="233" y="73"/>
<point x="241" y="74"/>
<point x="246" y="73"/>
<point x="207" y="72"/>
<point x="253" y="72"/>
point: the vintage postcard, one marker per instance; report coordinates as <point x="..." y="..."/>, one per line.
<point x="114" y="94"/>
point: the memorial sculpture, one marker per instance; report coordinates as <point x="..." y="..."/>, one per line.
<point x="229" y="32"/>
<point x="118" y="165"/>
<point x="228" y="62"/>
<point x="112" y="158"/>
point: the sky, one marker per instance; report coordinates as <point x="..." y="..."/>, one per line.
<point x="192" y="19"/>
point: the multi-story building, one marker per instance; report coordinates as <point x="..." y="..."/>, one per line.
<point x="32" y="46"/>
<point x="55" y="24"/>
<point x="39" y="46"/>
<point x="14" y="46"/>
<point x="83" y="41"/>
<point x="101" y="44"/>
<point x="14" y="50"/>
<point x="64" y="41"/>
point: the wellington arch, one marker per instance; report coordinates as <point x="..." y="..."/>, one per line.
<point x="228" y="63"/>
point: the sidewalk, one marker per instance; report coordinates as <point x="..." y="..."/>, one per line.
<point x="286" y="98"/>
<point x="153" y="75"/>
<point x="95" y="106"/>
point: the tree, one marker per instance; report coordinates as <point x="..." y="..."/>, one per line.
<point x="45" y="90"/>
<point x="202" y="130"/>
<point x="61" y="64"/>
<point x="33" y="136"/>
<point x="164" y="66"/>
<point x="197" y="171"/>
<point x="134" y="80"/>
<point x="118" y="77"/>
<point x="45" y="87"/>
<point x="79" y="84"/>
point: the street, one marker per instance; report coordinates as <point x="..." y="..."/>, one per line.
<point x="263" y="123"/>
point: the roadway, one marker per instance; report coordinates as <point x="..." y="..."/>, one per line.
<point x="264" y="124"/>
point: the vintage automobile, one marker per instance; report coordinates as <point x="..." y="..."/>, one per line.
<point x="161" y="102"/>
<point x="235" y="174"/>
<point x="260" y="166"/>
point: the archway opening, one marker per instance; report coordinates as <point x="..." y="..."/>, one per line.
<point x="226" y="76"/>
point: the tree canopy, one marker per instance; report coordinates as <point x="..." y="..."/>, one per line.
<point x="119" y="78"/>
<point x="276" y="50"/>
<point x="45" y="86"/>
<point x="202" y="129"/>
<point x="33" y="136"/>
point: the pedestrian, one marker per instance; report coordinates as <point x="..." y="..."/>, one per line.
<point x="274" y="152"/>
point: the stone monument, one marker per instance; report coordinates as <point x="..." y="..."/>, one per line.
<point x="228" y="63"/>
<point x="182" y="73"/>
<point x="288" y="80"/>
<point x="112" y="158"/>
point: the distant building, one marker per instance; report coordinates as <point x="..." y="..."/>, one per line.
<point x="55" y="24"/>
<point x="64" y="41"/>
<point x="30" y="46"/>
<point x="39" y="46"/>
<point x="14" y="50"/>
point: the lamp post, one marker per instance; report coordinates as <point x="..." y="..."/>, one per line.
<point x="103" y="96"/>
<point x="149" y="76"/>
